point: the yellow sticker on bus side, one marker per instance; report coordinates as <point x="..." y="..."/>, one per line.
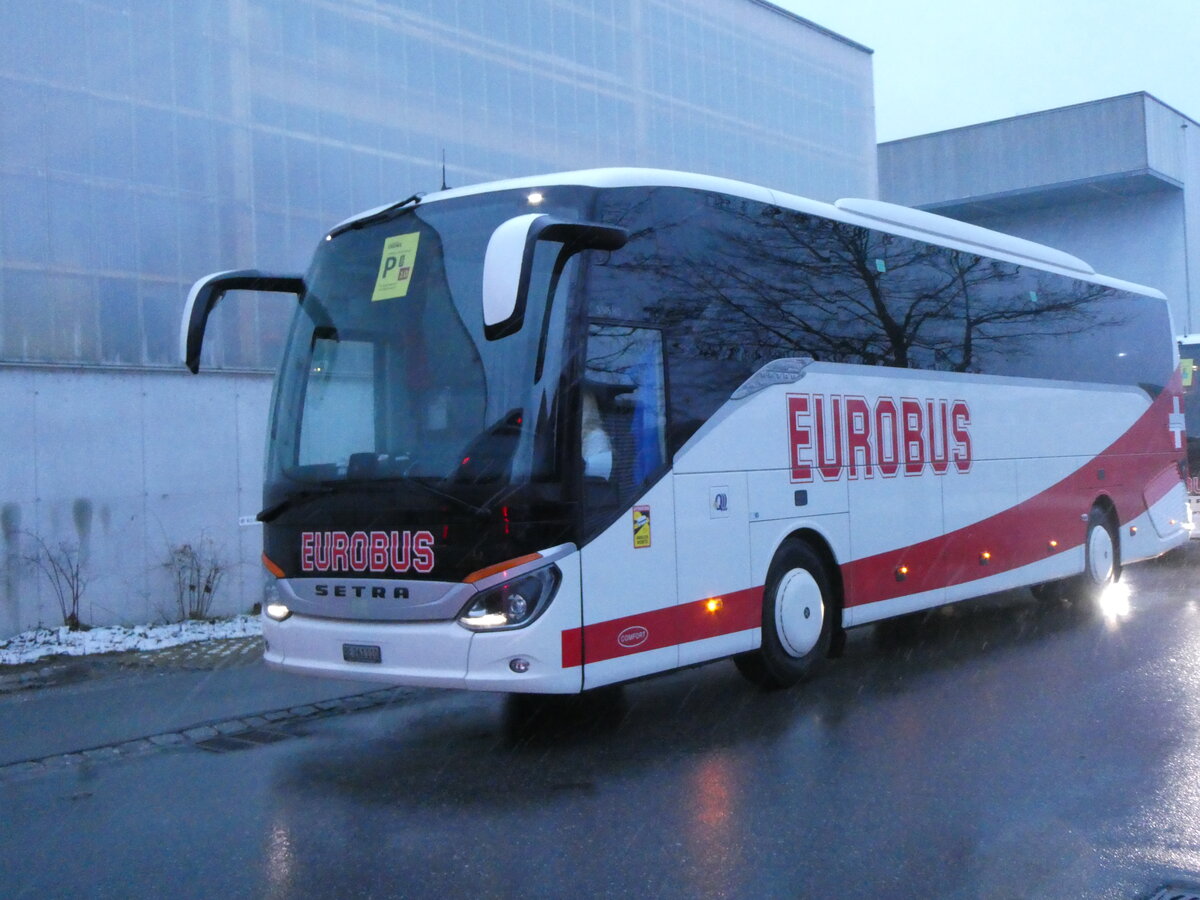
<point x="396" y="266"/>
<point x="641" y="527"/>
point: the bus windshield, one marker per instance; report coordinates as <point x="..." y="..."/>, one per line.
<point x="388" y="377"/>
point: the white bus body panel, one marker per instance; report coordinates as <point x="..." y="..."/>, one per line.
<point x="712" y="553"/>
<point x="1018" y="431"/>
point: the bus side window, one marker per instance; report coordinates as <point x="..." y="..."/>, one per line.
<point x="623" y="406"/>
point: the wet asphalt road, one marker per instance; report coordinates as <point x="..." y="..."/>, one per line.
<point x="1007" y="748"/>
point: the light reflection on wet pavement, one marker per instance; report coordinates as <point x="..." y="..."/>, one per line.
<point x="1002" y="748"/>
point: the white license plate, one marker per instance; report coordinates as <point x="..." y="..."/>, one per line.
<point x="361" y="653"/>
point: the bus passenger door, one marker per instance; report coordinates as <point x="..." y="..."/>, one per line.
<point x="628" y="577"/>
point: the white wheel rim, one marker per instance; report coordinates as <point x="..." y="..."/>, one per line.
<point x="1100" y="555"/>
<point x="799" y="612"/>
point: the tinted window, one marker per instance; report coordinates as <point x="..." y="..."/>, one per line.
<point x="735" y="284"/>
<point x="623" y="415"/>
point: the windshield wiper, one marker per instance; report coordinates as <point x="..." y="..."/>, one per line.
<point x="386" y="213"/>
<point x="428" y="488"/>
<point x="297" y="499"/>
<point x="489" y="505"/>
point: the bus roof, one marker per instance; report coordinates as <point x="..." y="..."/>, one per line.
<point x="874" y="214"/>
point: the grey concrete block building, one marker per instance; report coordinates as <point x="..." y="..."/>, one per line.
<point x="173" y="138"/>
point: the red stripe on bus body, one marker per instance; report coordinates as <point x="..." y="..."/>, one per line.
<point x="1134" y="478"/>
<point x="665" y="627"/>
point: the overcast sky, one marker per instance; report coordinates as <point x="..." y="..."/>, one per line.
<point x="944" y="63"/>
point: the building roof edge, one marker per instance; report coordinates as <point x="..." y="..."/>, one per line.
<point x="813" y="25"/>
<point x="1041" y="112"/>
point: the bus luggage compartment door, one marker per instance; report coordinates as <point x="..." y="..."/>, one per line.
<point x="628" y="579"/>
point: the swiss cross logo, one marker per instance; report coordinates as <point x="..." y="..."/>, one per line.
<point x="833" y="434"/>
<point x="1175" y="422"/>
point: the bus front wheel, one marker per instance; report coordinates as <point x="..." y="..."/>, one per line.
<point x="797" y="619"/>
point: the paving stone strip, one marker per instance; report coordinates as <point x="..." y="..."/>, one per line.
<point x="218" y="735"/>
<point x="221" y="653"/>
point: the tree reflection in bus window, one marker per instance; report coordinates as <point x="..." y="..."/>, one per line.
<point x="735" y="284"/>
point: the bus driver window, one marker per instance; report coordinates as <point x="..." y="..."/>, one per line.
<point x="623" y="407"/>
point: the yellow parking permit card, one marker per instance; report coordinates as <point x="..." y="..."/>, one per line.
<point x="396" y="267"/>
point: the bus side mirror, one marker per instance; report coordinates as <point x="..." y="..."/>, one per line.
<point x="207" y="293"/>
<point x="508" y="263"/>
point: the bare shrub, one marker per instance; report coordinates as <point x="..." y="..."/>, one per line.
<point x="60" y="565"/>
<point x="196" y="570"/>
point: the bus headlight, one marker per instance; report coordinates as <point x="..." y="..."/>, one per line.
<point x="513" y="604"/>
<point x="277" y="611"/>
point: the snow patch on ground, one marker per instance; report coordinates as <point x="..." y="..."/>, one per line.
<point x="30" y="646"/>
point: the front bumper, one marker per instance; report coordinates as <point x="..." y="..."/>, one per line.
<point x="437" y="654"/>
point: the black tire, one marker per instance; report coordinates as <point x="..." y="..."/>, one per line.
<point x="798" y="619"/>
<point x="1049" y="591"/>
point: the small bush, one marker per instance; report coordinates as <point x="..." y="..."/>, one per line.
<point x="61" y="566"/>
<point x="197" y="571"/>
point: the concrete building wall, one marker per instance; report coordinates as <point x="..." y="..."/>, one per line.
<point x="169" y="139"/>
<point x="993" y="160"/>
<point x="124" y="465"/>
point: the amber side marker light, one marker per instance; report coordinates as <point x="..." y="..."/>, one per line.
<point x="714" y="604"/>
<point x="1052" y="545"/>
<point x="480" y="574"/>
<point x="901" y="573"/>
<point x="984" y="558"/>
<point x="1132" y="530"/>
<point x="271" y="567"/>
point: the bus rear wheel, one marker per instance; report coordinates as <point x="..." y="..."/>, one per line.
<point x="1101" y="560"/>
<point x="798" y="615"/>
<point x="1101" y="564"/>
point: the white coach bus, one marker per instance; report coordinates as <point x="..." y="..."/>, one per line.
<point x="555" y="433"/>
